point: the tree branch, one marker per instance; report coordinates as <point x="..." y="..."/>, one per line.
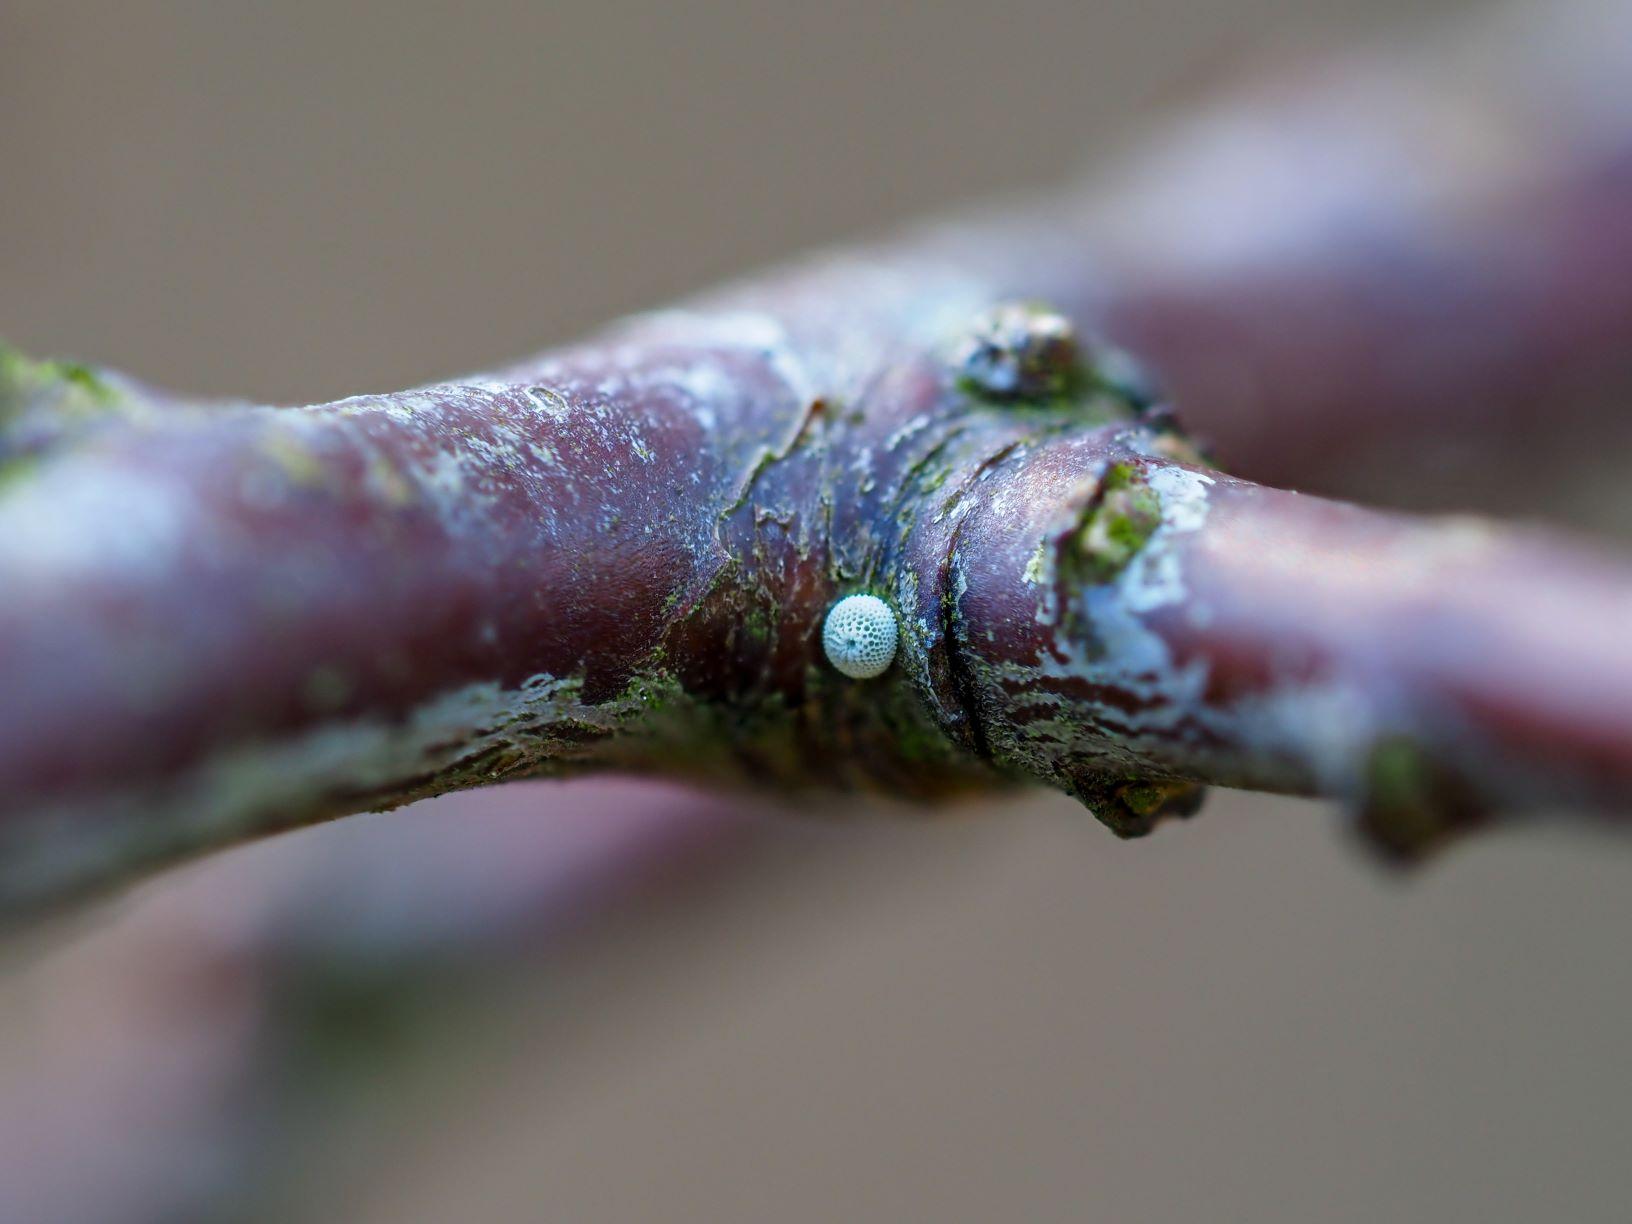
<point x="219" y="620"/>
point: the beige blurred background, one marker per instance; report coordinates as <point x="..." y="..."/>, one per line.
<point x="1009" y="1016"/>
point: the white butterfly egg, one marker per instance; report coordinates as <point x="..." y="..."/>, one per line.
<point x="860" y="635"/>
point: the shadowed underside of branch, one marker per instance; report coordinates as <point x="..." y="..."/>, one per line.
<point x="219" y="620"/>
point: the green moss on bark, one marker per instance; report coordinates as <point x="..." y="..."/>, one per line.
<point x="1124" y="515"/>
<point x="64" y="388"/>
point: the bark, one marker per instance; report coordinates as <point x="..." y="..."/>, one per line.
<point x="220" y="620"/>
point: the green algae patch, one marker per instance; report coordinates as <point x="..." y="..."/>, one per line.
<point x="63" y="388"/>
<point x="1118" y="523"/>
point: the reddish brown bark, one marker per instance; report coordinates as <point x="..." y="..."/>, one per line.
<point x="222" y="620"/>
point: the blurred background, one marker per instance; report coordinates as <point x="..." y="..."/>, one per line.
<point x="622" y="1002"/>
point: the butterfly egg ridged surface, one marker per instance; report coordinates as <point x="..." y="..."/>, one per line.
<point x="860" y="636"/>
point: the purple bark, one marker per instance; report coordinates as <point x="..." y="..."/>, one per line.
<point x="222" y="620"/>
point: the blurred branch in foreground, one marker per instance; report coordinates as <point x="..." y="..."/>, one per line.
<point x="165" y="1060"/>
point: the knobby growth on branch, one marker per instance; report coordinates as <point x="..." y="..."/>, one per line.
<point x="223" y="619"/>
